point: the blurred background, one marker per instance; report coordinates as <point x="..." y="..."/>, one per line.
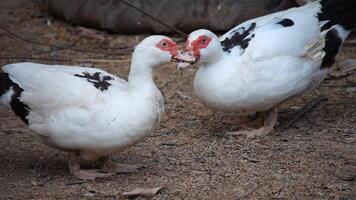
<point x="186" y="15"/>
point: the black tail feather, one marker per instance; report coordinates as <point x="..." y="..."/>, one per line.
<point x="336" y="12"/>
<point x="5" y="83"/>
<point x="332" y="46"/>
<point x="342" y="12"/>
<point x="19" y="108"/>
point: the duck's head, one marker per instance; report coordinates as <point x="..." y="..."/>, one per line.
<point x="157" y="49"/>
<point x="204" y="45"/>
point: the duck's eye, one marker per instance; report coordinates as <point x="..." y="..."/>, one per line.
<point x="203" y="41"/>
<point x="164" y="44"/>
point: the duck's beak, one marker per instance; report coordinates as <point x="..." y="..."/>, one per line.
<point x="184" y="59"/>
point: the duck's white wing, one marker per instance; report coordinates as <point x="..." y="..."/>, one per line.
<point x="287" y="32"/>
<point x="283" y="54"/>
<point x="45" y="88"/>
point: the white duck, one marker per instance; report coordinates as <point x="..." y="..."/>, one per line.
<point x="87" y="111"/>
<point x="265" y="61"/>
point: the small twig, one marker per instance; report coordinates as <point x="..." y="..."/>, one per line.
<point x="169" y="143"/>
<point x="321" y="138"/>
<point x="155" y="19"/>
<point x="300" y="139"/>
<point x="62" y="59"/>
<point x="301" y="112"/>
<point x="9" y="132"/>
<point x="74" y="183"/>
<point x="335" y="140"/>
<point x="9" y="197"/>
<point x="249" y="158"/>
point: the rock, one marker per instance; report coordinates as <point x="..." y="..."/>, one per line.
<point x="186" y="15"/>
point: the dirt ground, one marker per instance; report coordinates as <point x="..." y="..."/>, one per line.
<point x="187" y="155"/>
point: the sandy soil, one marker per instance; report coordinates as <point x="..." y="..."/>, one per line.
<point x="188" y="154"/>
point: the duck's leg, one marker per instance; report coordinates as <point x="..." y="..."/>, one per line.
<point x="252" y="121"/>
<point x="109" y="166"/>
<point x="85" y="174"/>
<point x="270" y="119"/>
<point x="256" y="120"/>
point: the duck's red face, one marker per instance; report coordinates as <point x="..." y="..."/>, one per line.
<point x="176" y="55"/>
<point x="195" y="45"/>
<point x="169" y="46"/>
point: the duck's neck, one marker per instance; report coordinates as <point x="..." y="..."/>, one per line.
<point x="141" y="71"/>
<point x="216" y="57"/>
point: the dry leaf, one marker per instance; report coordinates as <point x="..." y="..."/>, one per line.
<point x="182" y="95"/>
<point x="143" y="192"/>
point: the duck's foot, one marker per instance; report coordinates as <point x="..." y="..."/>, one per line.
<point x="270" y="119"/>
<point x="252" y="133"/>
<point x="92" y="174"/>
<point x="86" y="174"/>
<point x="118" y="168"/>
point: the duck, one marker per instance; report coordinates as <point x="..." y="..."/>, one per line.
<point x="263" y="62"/>
<point x="88" y="112"/>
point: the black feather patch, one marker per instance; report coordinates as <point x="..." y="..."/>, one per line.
<point x="5" y="83"/>
<point x="239" y="38"/>
<point x="342" y="12"/>
<point x="332" y="45"/>
<point x="18" y="107"/>
<point x="286" y="22"/>
<point x="100" y="83"/>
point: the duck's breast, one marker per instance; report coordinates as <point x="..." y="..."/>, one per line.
<point x="256" y="86"/>
<point x="117" y="121"/>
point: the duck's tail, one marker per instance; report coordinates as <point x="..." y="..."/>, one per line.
<point x="9" y="97"/>
<point x="5" y="85"/>
<point x="340" y="12"/>
<point x="338" y="18"/>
